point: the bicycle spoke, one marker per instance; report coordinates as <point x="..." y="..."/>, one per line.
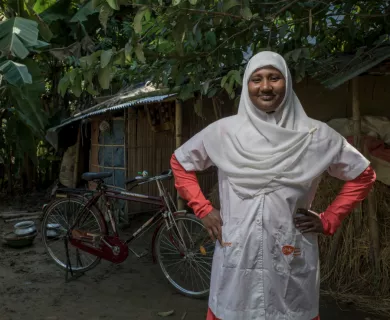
<point x="190" y="271"/>
<point x="175" y="263"/>
<point x="199" y="271"/>
<point x="169" y="243"/>
<point x="189" y="234"/>
<point x="203" y="267"/>
<point x="60" y="216"/>
<point x="170" y="250"/>
<point x="203" y="262"/>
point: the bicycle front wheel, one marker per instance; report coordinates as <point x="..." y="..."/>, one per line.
<point x="184" y="253"/>
<point x="59" y="218"/>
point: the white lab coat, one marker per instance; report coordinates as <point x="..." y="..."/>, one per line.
<point x="268" y="270"/>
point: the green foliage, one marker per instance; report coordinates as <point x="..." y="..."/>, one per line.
<point x="42" y="5"/>
<point x="21" y="78"/>
<point x="15" y="73"/>
<point x="18" y="37"/>
<point x="83" y="12"/>
<point x="185" y="43"/>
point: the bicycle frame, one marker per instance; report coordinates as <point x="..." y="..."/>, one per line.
<point x="173" y="231"/>
<point x="164" y="201"/>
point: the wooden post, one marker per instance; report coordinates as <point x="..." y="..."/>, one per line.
<point x="371" y="207"/>
<point x="178" y="136"/>
<point x="77" y="159"/>
<point x="356" y="113"/>
<point x="357" y="212"/>
<point x="356" y="118"/>
<point x="373" y="227"/>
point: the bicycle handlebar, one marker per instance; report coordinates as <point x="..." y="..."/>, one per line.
<point x="138" y="180"/>
<point x="162" y="176"/>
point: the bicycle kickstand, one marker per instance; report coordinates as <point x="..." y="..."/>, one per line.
<point x="139" y="255"/>
<point x="69" y="265"/>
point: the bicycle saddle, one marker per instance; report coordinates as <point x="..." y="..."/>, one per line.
<point x="89" y="176"/>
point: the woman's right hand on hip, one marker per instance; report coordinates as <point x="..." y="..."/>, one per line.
<point x="213" y="224"/>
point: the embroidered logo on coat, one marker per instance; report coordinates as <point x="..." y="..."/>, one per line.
<point x="287" y="250"/>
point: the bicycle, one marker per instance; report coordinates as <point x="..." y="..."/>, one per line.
<point x="180" y="241"/>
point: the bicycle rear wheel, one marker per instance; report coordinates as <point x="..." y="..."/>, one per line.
<point x="185" y="255"/>
<point x="59" y="218"/>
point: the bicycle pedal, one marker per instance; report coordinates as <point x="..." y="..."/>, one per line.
<point x="144" y="253"/>
<point x="140" y="255"/>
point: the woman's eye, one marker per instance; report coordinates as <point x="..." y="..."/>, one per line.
<point x="275" y="79"/>
<point x="256" y="80"/>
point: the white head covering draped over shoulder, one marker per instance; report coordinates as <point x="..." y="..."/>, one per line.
<point x="259" y="151"/>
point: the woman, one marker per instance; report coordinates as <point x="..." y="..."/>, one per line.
<point x="269" y="158"/>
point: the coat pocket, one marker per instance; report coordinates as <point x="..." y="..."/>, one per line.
<point x="232" y="238"/>
<point x="294" y="254"/>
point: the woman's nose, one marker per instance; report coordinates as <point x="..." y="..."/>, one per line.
<point x="265" y="86"/>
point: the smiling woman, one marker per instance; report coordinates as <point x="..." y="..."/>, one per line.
<point x="269" y="157"/>
<point x="267" y="89"/>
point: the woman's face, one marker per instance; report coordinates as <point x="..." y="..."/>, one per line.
<point x="267" y="88"/>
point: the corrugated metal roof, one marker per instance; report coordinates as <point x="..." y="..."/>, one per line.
<point x="52" y="133"/>
<point x="94" y="112"/>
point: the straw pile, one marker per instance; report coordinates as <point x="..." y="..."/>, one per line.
<point x="347" y="259"/>
<point x="347" y="270"/>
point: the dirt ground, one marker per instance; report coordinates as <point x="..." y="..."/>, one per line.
<point x="33" y="287"/>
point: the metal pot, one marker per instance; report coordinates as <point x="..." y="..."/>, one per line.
<point x="25" y="228"/>
<point x="18" y="241"/>
<point x="52" y="230"/>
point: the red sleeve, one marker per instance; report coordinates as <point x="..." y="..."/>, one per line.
<point x="187" y="186"/>
<point x="351" y="194"/>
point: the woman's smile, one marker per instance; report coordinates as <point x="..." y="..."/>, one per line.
<point x="267" y="97"/>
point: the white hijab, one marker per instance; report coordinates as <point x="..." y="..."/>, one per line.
<point x="263" y="152"/>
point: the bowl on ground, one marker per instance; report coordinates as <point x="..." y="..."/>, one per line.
<point x="15" y="241"/>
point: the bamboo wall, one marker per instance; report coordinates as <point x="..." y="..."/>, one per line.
<point x="148" y="151"/>
<point x="151" y="151"/>
<point x="324" y="104"/>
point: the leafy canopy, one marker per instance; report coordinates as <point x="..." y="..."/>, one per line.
<point x="189" y="43"/>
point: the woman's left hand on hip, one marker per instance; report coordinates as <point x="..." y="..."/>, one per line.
<point x="309" y="221"/>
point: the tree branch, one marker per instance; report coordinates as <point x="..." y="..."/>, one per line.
<point x="285" y="8"/>
<point x="205" y="12"/>
<point x="228" y="39"/>
<point x="273" y="3"/>
<point x="214" y="13"/>
<point x="269" y="37"/>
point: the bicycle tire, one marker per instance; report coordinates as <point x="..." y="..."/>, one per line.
<point x="186" y="260"/>
<point x="44" y="229"/>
